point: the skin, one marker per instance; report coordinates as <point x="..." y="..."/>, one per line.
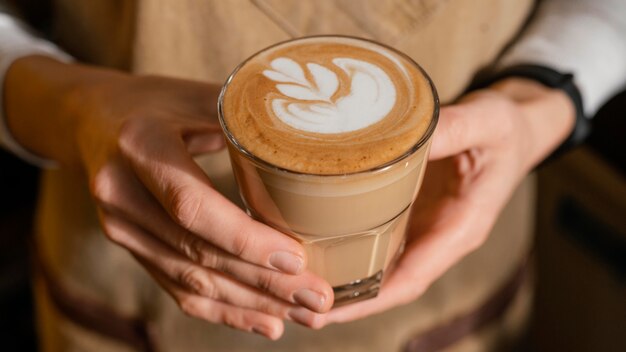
<point x="133" y="137"/>
<point x="483" y="147"/>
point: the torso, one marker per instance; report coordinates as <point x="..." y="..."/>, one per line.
<point x="205" y="40"/>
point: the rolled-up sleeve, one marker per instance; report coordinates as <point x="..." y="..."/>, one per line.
<point x="584" y="37"/>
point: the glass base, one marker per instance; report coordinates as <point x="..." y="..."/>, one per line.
<point x="358" y="290"/>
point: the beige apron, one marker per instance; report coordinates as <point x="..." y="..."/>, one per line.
<point x="204" y="40"/>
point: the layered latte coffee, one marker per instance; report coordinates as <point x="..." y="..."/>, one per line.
<point x="328" y="137"/>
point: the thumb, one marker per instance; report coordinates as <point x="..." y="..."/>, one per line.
<point x="203" y="142"/>
<point x="461" y="127"/>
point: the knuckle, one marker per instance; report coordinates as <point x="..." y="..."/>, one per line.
<point x="273" y="307"/>
<point x="233" y="319"/>
<point x="190" y="306"/>
<point x="198" y="281"/>
<point x="102" y="186"/>
<point x="242" y="243"/>
<point x="317" y="322"/>
<point x="269" y="307"/>
<point x="198" y="251"/>
<point x="130" y="132"/>
<point x="267" y="280"/>
<point x="191" y="247"/>
<point x="211" y="257"/>
<point x="184" y="207"/>
<point x="468" y="165"/>
<point x="113" y="235"/>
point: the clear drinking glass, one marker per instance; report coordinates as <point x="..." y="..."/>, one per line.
<point x="351" y="225"/>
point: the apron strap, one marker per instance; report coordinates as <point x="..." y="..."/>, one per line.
<point x="493" y="308"/>
<point x="94" y="315"/>
<point x="136" y="332"/>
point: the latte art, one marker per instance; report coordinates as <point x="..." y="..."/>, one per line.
<point x="371" y="95"/>
<point x="328" y="139"/>
<point x="325" y="105"/>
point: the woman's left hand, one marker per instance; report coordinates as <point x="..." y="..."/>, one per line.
<point x="482" y="148"/>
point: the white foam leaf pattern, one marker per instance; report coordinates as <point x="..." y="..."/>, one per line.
<point x="325" y="80"/>
<point x="371" y="96"/>
<point x="289" y="69"/>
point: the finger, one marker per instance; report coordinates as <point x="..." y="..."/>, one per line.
<point x="199" y="280"/>
<point x="469" y="124"/>
<point x="161" y="161"/>
<point x="395" y="291"/>
<point x="131" y="201"/>
<point x="197" y="99"/>
<point x="203" y="142"/>
<point x="415" y="271"/>
<point x="199" y="134"/>
<point x="221" y="313"/>
<point x="445" y="230"/>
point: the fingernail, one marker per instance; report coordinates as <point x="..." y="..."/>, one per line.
<point x="301" y="315"/>
<point x="310" y="299"/>
<point x="287" y="262"/>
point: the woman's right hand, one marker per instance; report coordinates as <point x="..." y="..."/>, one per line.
<point x="134" y="137"/>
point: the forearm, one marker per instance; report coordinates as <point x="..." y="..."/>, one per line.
<point x="43" y="98"/>
<point x="133" y="136"/>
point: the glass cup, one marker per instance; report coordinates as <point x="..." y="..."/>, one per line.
<point x="352" y="225"/>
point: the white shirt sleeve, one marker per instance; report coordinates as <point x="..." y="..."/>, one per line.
<point x="17" y="40"/>
<point x="584" y="37"/>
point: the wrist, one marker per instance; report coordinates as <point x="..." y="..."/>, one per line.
<point x="551" y="78"/>
<point x="549" y="115"/>
<point x="45" y="105"/>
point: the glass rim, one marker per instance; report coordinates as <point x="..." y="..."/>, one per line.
<point x="265" y="164"/>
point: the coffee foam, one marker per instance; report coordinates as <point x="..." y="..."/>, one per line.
<point x="370" y="98"/>
<point x="327" y="105"/>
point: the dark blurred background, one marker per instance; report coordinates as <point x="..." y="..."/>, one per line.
<point x="580" y="303"/>
<point x="18" y="191"/>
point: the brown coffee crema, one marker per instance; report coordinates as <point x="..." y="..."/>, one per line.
<point x="251" y="105"/>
